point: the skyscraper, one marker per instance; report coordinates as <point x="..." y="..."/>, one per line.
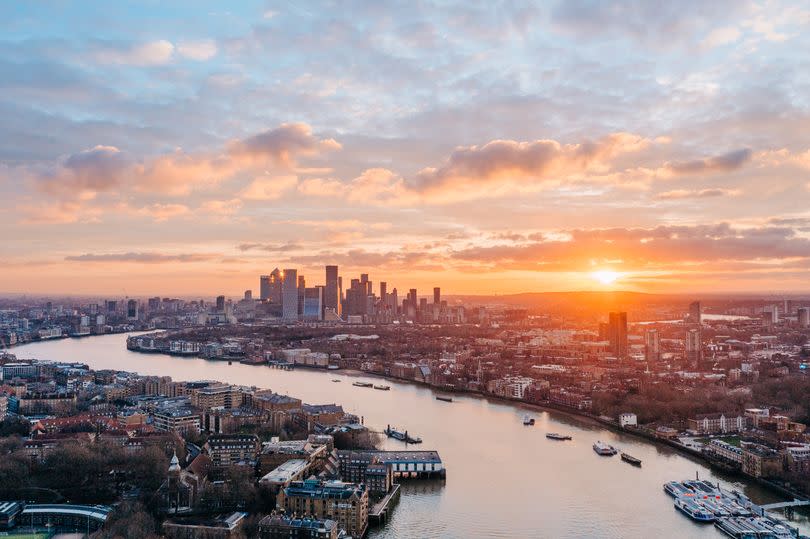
<point x="804" y="317"/>
<point x="302" y="284"/>
<point x="617" y="334"/>
<point x="248" y="295"/>
<point x="694" y="312"/>
<point x="331" y="298"/>
<point x="289" y="294"/>
<point x="437" y="295"/>
<point x="652" y="345"/>
<point x="693" y="347"/>
<point x="264" y="287"/>
<point x="313" y="303"/>
<point x="221" y="304"/>
<point x="132" y="309"/>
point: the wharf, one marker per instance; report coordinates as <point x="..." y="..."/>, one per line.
<point x="378" y="513"/>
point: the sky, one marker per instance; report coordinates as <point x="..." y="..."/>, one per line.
<point x="187" y="147"/>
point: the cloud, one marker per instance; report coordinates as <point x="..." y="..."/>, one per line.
<point x="143" y="257"/>
<point x="711" y="192"/>
<point x="221" y="208"/>
<point x="84" y="174"/>
<point x="268" y="187"/>
<point x="661" y="248"/>
<point x="151" y="53"/>
<point x="270" y="247"/>
<point x="198" y="50"/>
<point x="163" y="212"/>
<point x="722" y="163"/>
<point x="510" y="162"/>
<point x="282" y="143"/>
<point x="721" y="36"/>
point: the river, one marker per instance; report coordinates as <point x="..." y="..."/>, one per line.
<point x="503" y="479"/>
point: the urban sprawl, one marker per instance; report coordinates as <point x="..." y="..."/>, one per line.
<point x="724" y="379"/>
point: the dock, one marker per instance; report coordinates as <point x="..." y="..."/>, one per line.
<point x="379" y="512"/>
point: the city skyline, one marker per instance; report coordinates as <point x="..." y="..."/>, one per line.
<point x="548" y="148"/>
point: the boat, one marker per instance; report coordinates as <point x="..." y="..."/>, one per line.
<point x="383" y="388"/>
<point x="336" y="380"/>
<point x="444" y="399"/>
<point x="556" y="436"/>
<point x="363" y="384"/>
<point x="630" y="459"/>
<point x="603" y="449"/>
<point x="528" y="420"/>
<point x="693" y="510"/>
<point x="402" y="436"/>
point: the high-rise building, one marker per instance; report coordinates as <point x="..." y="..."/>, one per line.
<point x="652" y="345"/>
<point x="617" y="334"/>
<point x="289" y="294"/>
<point x="112" y="306"/>
<point x="383" y="291"/>
<point x="804" y="317"/>
<point x="221" y="304"/>
<point x="132" y="309"/>
<point x="693" y="347"/>
<point x="264" y="287"/>
<point x="313" y="303"/>
<point x="437" y="295"/>
<point x="302" y="284"/>
<point x="694" y="312"/>
<point x="153" y="304"/>
<point x="331" y="297"/>
<point x="248" y="295"/>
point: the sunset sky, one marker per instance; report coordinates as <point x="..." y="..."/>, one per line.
<point x="180" y="148"/>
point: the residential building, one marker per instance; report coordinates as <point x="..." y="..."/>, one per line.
<point x="285" y="527"/>
<point x="346" y="503"/>
<point x="232" y="449"/>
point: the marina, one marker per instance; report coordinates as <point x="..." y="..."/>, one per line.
<point x="732" y="512"/>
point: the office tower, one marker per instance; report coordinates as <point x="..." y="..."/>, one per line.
<point x="693" y="347"/>
<point x="221" y="304"/>
<point x="788" y="310"/>
<point x="94" y="308"/>
<point x="264" y="287"/>
<point x="694" y="312"/>
<point x="331" y="298"/>
<point x="132" y="309"/>
<point x="313" y="303"/>
<point x="112" y="306"/>
<point x="617" y="334"/>
<point x="383" y="291"/>
<point x="153" y="304"/>
<point x="437" y="295"/>
<point x="302" y="284"/>
<point x="652" y="345"/>
<point x="248" y="295"/>
<point x="804" y="317"/>
<point x="393" y="301"/>
<point x="289" y="294"/>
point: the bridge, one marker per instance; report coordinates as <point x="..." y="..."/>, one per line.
<point x="782" y="505"/>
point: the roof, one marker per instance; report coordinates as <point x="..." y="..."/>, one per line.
<point x="286" y="471"/>
<point x="97" y="512"/>
<point x="10" y="508"/>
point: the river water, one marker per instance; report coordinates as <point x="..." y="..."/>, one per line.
<point x="503" y="479"/>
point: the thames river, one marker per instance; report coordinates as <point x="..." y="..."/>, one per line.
<point x="503" y="479"/>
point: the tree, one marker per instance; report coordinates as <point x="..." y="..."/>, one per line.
<point x="130" y="521"/>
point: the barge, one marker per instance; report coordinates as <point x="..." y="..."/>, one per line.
<point x="603" y="449"/>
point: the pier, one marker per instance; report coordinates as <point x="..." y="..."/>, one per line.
<point x="411" y="464"/>
<point x="378" y="512"/>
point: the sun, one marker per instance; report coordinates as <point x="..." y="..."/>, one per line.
<point x="605" y="276"/>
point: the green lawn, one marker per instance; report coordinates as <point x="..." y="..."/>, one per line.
<point x="733" y="440"/>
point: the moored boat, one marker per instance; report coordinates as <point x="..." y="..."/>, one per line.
<point x="556" y="436"/>
<point x="383" y="388"/>
<point x="693" y="510"/>
<point x="444" y="399"/>
<point x="363" y="384"/>
<point x="528" y="420"/>
<point x="630" y="459"/>
<point x="336" y="380"/>
<point x="603" y="449"/>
